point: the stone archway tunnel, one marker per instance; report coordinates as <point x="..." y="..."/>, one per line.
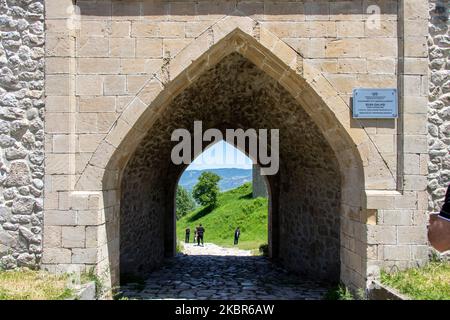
<point x="305" y="219"/>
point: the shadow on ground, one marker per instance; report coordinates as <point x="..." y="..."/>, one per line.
<point x="224" y="277"/>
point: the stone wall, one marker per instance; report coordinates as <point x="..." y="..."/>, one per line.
<point x="439" y="104"/>
<point x="21" y="132"/>
<point x="309" y="208"/>
<point x="126" y="50"/>
<point x="104" y="77"/>
<point x="258" y="184"/>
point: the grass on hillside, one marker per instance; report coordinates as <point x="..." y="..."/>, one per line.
<point x="235" y="208"/>
<point x="25" y="284"/>
<point x="431" y="282"/>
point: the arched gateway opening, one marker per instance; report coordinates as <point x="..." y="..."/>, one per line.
<point x="242" y="201"/>
<point x="317" y="222"/>
<point x="236" y="94"/>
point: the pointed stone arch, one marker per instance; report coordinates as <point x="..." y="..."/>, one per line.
<point x="356" y="153"/>
<point x="272" y="55"/>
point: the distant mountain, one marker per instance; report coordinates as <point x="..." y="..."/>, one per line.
<point x="235" y="208"/>
<point x="231" y="178"/>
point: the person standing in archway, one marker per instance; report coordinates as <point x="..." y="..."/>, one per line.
<point x="188" y="233"/>
<point x="439" y="227"/>
<point x="200" y="231"/>
<point x="237" y="233"/>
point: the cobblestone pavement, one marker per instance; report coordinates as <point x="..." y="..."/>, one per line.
<point x="215" y="276"/>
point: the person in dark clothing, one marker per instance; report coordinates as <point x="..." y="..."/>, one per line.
<point x="188" y="233"/>
<point x="237" y="233"/>
<point x="439" y="226"/>
<point x="445" y="210"/>
<point x="200" y="231"/>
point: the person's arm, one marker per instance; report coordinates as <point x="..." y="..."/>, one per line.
<point x="439" y="233"/>
<point x="439" y="226"/>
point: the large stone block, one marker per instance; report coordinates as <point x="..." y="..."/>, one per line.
<point x="397" y="253"/>
<point x="89" y="217"/>
<point x="397" y="217"/>
<point x="56" y="65"/>
<point x="59" y="46"/>
<point x="145" y="29"/>
<point x="101" y="103"/>
<point x="23" y="205"/>
<point x="412" y="235"/>
<point x="122" y="47"/>
<point x="385" y="29"/>
<point x="114" y="85"/>
<point x="416" y="46"/>
<point x="89" y="142"/>
<point x="135" y="83"/>
<point x="350" y="29"/>
<point x="63" y="143"/>
<point x="73" y="237"/>
<point x="61" y="9"/>
<point x="87" y="256"/>
<point x="415" y="144"/>
<point x="340" y="48"/>
<point x="414" y="28"/>
<point x="378" y="47"/>
<point x="59" y="85"/>
<point x="98" y="66"/>
<point x="89" y="85"/>
<point x="149" y="48"/>
<point x="57" y="255"/>
<point x="92" y="46"/>
<point x="120" y="28"/>
<point x="60" y="218"/>
<point x="140" y="66"/>
<point x="52" y="236"/>
<point x="415" y="182"/>
<point x="290" y="11"/>
<point x="381" y="234"/>
<point x="57" y="163"/>
<point x="381" y="65"/>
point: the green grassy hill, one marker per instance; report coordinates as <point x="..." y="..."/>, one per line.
<point x="236" y="208"/>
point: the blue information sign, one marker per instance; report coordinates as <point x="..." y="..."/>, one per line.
<point x="375" y="103"/>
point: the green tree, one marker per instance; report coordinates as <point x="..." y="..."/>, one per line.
<point x="206" y="190"/>
<point x="184" y="202"/>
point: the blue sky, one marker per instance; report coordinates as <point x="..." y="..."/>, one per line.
<point x="221" y="155"/>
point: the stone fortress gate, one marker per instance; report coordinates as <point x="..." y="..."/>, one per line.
<point x="91" y="90"/>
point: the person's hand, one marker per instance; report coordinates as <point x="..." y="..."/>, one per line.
<point x="439" y="233"/>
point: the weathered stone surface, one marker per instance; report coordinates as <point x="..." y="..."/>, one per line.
<point x="107" y="74"/>
<point x="241" y="94"/>
<point x="8" y="261"/>
<point x="211" y="272"/>
<point x="19" y="175"/>
<point x="15" y="153"/>
<point x="10" y="227"/>
<point x="26" y="260"/>
<point x="21" y="114"/>
<point x="18" y="128"/>
<point x="8" y="240"/>
<point x="23" y="205"/>
<point x="438" y="107"/>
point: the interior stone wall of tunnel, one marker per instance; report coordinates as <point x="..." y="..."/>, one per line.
<point x="305" y="192"/>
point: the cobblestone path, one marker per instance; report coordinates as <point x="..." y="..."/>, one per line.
<point x="212" y="272"/>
